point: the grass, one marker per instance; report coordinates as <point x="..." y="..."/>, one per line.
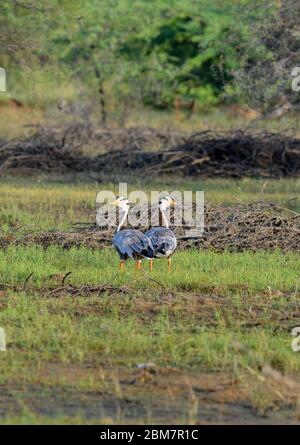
<point x="218" y="316"/>
<point x="33" y="205"/>
<point x="184" y="326"/>
<point x="38" y="334"/>
<point x="192" y="270"/>
<point x="47" y="92"/>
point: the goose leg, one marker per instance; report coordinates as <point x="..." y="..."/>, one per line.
<point x="169" y="264"/>
<point x="150" y="265"/>
<point x="122" y="265"/>
<point x="138" y="265"/>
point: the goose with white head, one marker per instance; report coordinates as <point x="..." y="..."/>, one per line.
<point x="130" y="243"/>
<point x="163" y="238"/>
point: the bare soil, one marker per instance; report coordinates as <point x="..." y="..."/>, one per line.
<point x="161" y="396"/>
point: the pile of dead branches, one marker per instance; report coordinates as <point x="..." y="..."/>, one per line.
<point x="151" y="152"/>
<point x="62" y="149"/>
<point x="252" y="227"/>
<point x="47" y="150"/>
<point x="207" y="154"/>
<point x="136" y="139"/>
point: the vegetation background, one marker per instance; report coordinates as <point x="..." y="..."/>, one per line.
<point x="110" y="60"/>
<point x="210" y="342"/>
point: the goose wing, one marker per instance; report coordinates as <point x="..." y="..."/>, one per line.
<point x="163" y="241"/>
<point x="133" y="244"/>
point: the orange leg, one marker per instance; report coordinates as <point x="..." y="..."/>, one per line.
<point x="151" y="265"/>
<point x="169" y="264"/>
<point x="138" y="265"/>
<point x="122" y="265"/>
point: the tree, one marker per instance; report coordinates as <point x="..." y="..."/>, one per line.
<point x="268" y="54"/>
<point x="180" y="55"/>
<point x="92" y="49"/>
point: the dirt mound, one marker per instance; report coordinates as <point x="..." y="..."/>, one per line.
<point x="253" y="227"/>
<point x="144" y="150"/>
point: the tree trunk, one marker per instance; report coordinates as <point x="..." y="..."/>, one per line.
<point x="102" y="97"/>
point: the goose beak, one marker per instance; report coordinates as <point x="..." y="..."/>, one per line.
<point x="114" y="203"/>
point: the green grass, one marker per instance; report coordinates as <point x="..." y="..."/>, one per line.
<point x="42" y="204"/>
<point x="44" y="328"/>
<point x="192" y="270"/>
<point x="228" y="313"/>
<point x="41" y="331"/>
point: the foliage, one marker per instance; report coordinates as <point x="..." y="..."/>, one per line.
<point x="182" y="56"/>
<point x="125" y="51"/>
<point x="268" y="54"/>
